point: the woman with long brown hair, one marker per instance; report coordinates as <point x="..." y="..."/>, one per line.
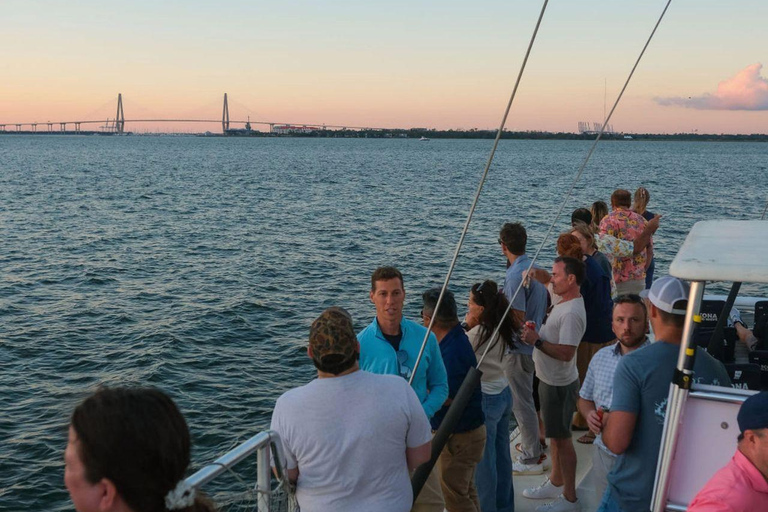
<point x="493" y="475"/>
<point x="599" y="210"/>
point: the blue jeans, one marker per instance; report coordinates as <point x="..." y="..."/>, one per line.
<point x="649" y="273"/>
<point x="493" y="476"/>
<point x="609" y="503"/>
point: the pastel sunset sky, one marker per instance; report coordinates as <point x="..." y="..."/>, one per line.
<point x="418" y="63"/>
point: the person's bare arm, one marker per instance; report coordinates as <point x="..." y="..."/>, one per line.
<point x="649" y="256"/>
<point x="554" y="350"/>
<point x="589" y="411"/>
<point x="538" y="274"/>
<point x="418" y="456"/>
<point x="618" y="429"/>
<point x="292" y="474"/>
<point x="519" y="316"/>
<point x="642" y="241"/>
<point x="559" y="352"/>
<point x="746" y="336"/>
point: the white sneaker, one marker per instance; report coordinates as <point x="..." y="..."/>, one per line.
<point x="560" y="505"/>
<point x="521" y="468"/>
<point x="545" y="491"/>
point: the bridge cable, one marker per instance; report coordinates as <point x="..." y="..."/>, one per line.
<point x="477" y="194"/>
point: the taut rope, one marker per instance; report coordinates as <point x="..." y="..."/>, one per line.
<point x="477" y="194"/>
<point x="575" y="180"/>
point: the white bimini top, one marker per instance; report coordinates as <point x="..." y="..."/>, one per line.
<point x="724" y="250"/>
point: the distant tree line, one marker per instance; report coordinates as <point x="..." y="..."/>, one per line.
<point x="474" y="133"/>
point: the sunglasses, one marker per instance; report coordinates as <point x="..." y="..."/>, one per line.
<point x="404" y="370"/>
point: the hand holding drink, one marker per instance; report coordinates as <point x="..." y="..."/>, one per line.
<point x="595" y="419"/>
<point x="529" y="332"/>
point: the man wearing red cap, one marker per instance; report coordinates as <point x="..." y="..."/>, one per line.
<point x="742" y="485"/>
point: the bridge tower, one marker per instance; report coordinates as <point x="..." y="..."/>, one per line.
<point x="120" y="117"/>
<point x="225" y="116"/>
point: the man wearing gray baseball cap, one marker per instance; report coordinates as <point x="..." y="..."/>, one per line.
<point x="634" y="425"/>
<point x="742" y="484"/>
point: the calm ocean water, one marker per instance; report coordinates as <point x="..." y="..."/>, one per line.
<point x="197" y="264"/>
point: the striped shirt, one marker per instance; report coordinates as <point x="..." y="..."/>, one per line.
<point x="598" y="383"/>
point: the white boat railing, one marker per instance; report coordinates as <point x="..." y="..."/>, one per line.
<point x="266" y="445"/>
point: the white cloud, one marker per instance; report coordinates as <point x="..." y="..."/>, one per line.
<point x="747" y="90"/>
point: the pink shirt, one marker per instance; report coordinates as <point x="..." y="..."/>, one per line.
<point x="737" y="487"/>
<point x="625" y="225"/>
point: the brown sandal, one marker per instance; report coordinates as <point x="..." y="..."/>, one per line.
<point x="587" y="438"/>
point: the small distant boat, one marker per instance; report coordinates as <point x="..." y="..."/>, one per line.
<point x="424" y="139"/>
<point x="628" y="137"/>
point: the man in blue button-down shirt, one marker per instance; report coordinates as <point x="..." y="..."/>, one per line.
<point x="530" y="303"/>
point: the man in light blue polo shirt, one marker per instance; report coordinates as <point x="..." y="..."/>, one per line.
<point x="530" y="303"/>
<point x="390" y="345"/>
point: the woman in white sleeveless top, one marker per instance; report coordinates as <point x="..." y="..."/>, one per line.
<point x="493" y="475"/>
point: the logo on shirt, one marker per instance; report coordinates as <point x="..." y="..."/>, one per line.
<point x="660" y="408"/>
<point x="660" y="411"/>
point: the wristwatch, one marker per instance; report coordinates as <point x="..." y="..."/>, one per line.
<point x="538" y="343"/>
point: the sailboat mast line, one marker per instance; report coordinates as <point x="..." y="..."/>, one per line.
<point x="573" y="184"/>
<point x="479" y="190"/>
<point x="764" y="211"/>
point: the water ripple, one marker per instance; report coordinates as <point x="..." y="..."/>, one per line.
<point x="197" y="265"/>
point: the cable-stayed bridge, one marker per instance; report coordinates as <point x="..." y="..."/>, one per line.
<point x="117" y="125"/>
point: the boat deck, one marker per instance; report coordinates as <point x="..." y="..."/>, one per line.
<point x="589" y="501"/>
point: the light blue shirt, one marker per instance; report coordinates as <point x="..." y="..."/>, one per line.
<point x="598" y="383"/>
<point x="532" y="300"/>
<point x="378" y="356"/>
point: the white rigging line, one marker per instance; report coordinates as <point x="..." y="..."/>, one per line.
<point x="575" y="180"/>
<point x="764" y="210"/>
<point x="477" y="194"/>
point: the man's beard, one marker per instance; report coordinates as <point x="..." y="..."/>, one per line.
<point x="634" y="342"/>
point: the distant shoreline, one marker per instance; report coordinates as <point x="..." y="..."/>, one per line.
<point x="418" y="133"/>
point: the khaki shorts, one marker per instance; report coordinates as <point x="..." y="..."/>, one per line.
<point x="558" y="403"/>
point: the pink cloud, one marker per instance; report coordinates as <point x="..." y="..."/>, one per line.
<point x="747" y="90"/>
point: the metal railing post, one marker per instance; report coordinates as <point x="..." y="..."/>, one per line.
<point x="678" y="393"/>
<point x="263" y="479"/>
<point x="260" y="444"/>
